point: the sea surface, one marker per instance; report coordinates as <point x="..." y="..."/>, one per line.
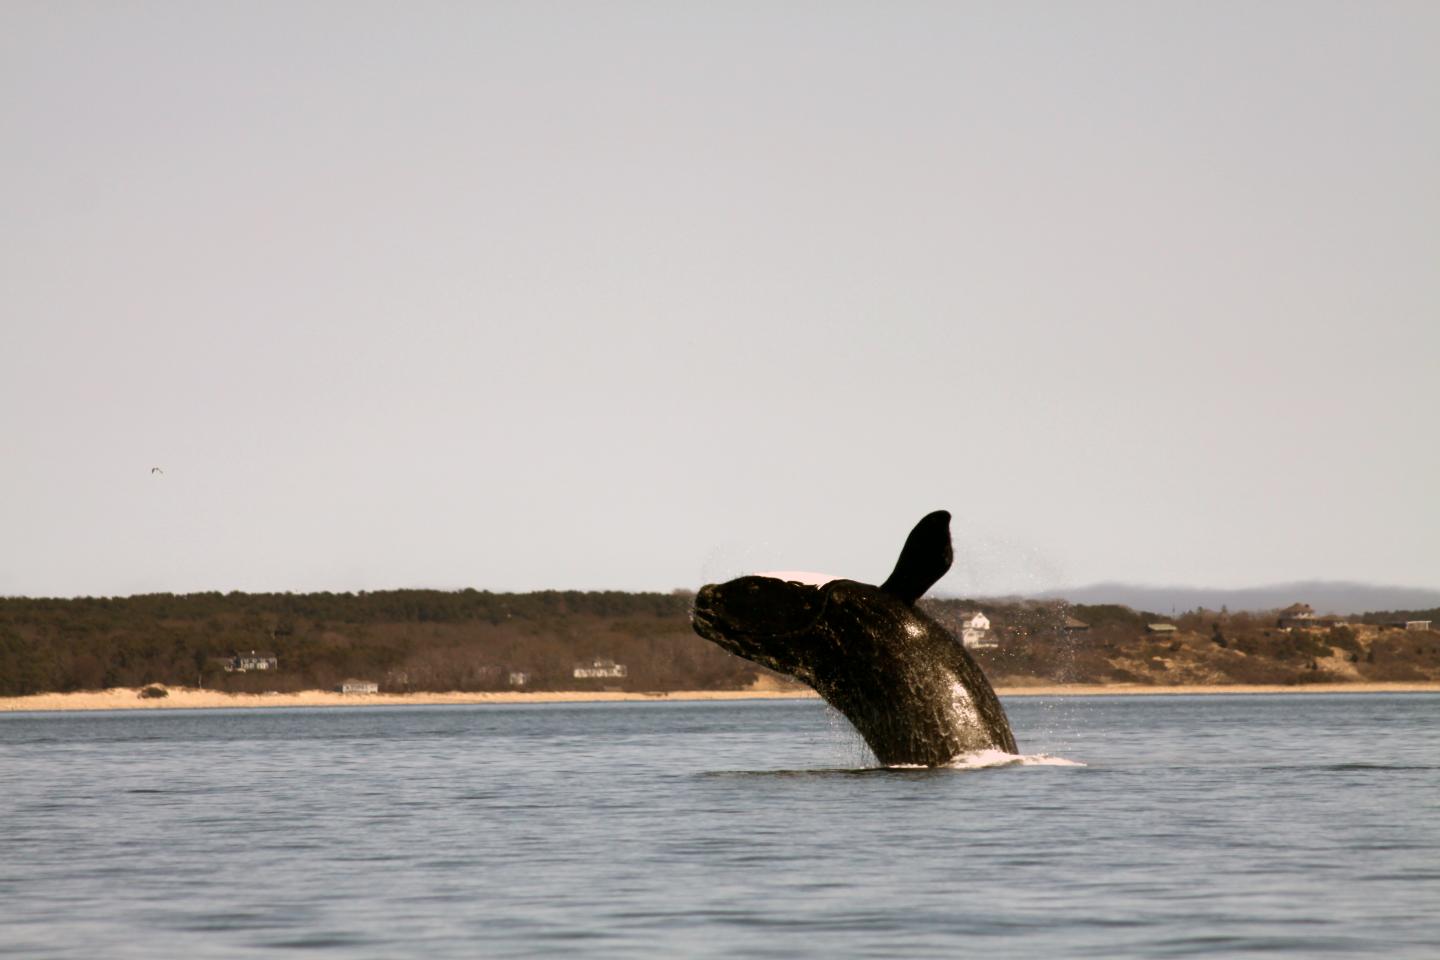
<point x="1225" y="826"/>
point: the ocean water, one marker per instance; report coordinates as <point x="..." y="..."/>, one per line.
<point x="1225" y="826"/>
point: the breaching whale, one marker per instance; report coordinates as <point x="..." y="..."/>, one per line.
<point x="905" y="682"/>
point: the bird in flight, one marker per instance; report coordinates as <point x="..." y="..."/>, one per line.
<point x="155" y="470"/>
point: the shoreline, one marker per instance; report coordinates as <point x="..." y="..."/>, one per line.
<point x="187" y="698"/>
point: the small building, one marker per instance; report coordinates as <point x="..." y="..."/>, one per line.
<point x="1162" y="629"/>
<point x="975" y="631"/>
<point x="1071" y="626"/>
<point x="1415" y="626"/>
<point x="519" y="678"/>
<point x="1301" y="616"/>
<point x="600" y="668"/>
<point x="1296" y="615"/>
<point x="358" y="686"/>
<point x="245" y="662"/>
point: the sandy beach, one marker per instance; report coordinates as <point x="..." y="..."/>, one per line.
<point x="187" y="698"/>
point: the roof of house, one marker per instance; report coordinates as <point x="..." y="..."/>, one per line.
<point x="1161" y="627"/>
<point x="1298" y="610"/>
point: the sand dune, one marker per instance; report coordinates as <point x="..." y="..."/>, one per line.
<point x="186" y="698"/>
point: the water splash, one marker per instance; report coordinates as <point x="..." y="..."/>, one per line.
<point x="985" y="759"/>
<point x="999" y="758"/>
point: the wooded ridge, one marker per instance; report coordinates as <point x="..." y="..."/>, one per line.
<point x="473" y="640"/>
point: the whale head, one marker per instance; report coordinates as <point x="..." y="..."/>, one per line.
<point x="765" y="619"/>
<point x="772" y="619"/>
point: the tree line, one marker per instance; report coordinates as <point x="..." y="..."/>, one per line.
<point x="475" y="640"/>
<point x="401" y="639"/>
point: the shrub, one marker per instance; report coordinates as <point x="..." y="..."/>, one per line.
<point x="154" y="692"/>
<point x="1343" y="638"/>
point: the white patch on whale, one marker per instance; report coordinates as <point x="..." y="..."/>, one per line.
<point x="963" y="705"/>
<point x="800" y="576"/>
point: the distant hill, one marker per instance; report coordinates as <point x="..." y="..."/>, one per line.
<point x="1326" y="596"/>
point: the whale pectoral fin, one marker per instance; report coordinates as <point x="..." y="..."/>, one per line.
<point x="924" y="559"/>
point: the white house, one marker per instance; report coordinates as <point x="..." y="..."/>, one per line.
<point x="358" y="686"/>
<point x="245" y="662"/>
<point x="519" y="678"/>
<point x="1296" y="615"/>
<point x="975" y="630"/>
<point x="600" y="668"/>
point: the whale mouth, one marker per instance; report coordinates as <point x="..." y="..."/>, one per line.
<point x="701" y="620"/>
<point x="702" y="609"/>
<point x="710" y="626"/>
<point x="705" y="619"/>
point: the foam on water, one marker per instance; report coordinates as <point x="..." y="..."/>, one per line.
<point x="983" y="759"/>
<point x="999" y="758"/>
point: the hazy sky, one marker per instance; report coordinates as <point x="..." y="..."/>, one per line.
<point x="636" y="295"/>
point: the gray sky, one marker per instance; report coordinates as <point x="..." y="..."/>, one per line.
<point x="636" y="295"/>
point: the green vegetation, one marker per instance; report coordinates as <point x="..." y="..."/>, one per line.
<point x="1209" y="647"/>
<point x="402" y="639"/>
<point x="469" y="640"/>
